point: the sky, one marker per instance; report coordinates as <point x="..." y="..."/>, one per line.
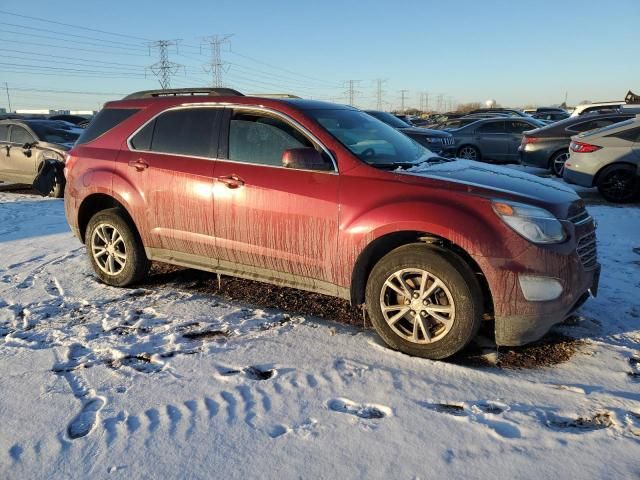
<point x="79" y="54"/>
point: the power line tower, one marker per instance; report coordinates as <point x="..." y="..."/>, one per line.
<point x="403" y="96"/>
<point x="163" y="68"/>
<point x="439" y="102"/>
<point x="379" y="93"/>
<point x="216" y="65"/>
<point x="351" y="92"/>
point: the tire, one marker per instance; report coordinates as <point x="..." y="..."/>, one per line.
<point x="123" y="254"/>
<point x="58" y="187"/>
<point x="556" y="162"/>
<point x="469" y="152"/>
<point x="618" y="183"/>
<point x="461" y="296"/>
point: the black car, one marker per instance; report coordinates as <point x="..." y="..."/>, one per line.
<point x="552" y="116"/>
<point x="437" y="141"/>
<point x="548" y="147"/>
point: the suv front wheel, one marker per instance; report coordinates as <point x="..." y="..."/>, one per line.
<point x="424" y="301"/>
<point x="114" y="249"/>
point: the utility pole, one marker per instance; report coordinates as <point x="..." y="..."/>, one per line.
<point x="163" y="68"/>
<point x="6" y="86"/>
<point x="426" y="101"/>
<point x="379" y="93"/>
<point x="403" y="96"/>
<point x="215" y="44"/>
<point x="439" y="102"/>
<point x="351" y="92"/>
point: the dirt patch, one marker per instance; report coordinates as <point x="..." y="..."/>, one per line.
<point x="551" y="350"/>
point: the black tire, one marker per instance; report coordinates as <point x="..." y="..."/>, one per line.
<point x="58" y="187"/>
<point x="557" y="161"/>
<point x="454" y="273"/>
<point x="618" y="183"/>
<point x="136" y="265"/>
<point x="470" y="153"/>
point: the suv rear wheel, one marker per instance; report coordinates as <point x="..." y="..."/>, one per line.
<point x="115" y="250"/>
<point x="424" y="301"/>
<point x="618" y="183"/>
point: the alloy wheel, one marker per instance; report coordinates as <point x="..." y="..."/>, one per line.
<point x="558" y="163"/>
<point x="468" y="153"/>
<point x="619" y="185"/>
<point x="108" y="249"/>
<point x="417" y="305"/>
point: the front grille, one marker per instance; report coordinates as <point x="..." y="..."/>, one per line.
<point x="581" y="217"/>
<point x="587" y="250"/>
<point x="447" y="140"/>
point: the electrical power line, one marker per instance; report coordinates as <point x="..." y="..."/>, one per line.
<point x="379" y="93"/>
<point x="351" y="92"/>
<point x="215" y="44"/>
<point x="163" y="68"/>
<point x="403" y="96"/>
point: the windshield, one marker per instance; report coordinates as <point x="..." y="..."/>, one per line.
<point x="371" y="140"/>
<point x="55" y="134"/>
<point x="389" y="119"/>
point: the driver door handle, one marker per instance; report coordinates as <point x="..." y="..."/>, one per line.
<point x="231" y="181"/>
<point x="138" y="164"/>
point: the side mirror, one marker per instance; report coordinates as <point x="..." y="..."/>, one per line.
<point x="306" y="158"/>
<point x="29" y="145"/>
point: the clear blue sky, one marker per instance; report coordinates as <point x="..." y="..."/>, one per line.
<point x="516" y="52"/>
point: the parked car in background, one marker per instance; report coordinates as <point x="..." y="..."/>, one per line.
<point x="326" y="198"/>
<point x="77" y="120"/>
<point x="596" y="107"/>
<point x="493" y="139"/>
<point x="26" y="144"/>
<point x="548" y="147"/>
<point x="607" y="158"/>
<point x="460" y="122"/>
<point x="437" y="141"/>
<point x="551" y="116"/>
<point x="512" y="112"/>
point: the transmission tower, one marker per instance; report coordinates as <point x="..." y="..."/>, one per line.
<point x="163" y="68"/>
<point x="403" y="96"/>
<point x="379" y="93"/>
<point x="216" y="65"/>
<point x="351" y="92"/>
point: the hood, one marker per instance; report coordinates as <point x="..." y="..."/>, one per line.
<point x="495" y="181"/>
<point x="425" y="131"/>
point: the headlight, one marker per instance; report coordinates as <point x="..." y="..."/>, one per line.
<point x="535" y="224"/>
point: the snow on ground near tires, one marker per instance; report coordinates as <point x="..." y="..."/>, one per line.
<point x="163" y="381"/>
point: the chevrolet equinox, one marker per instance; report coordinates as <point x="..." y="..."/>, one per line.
<point x="326" y="198"/>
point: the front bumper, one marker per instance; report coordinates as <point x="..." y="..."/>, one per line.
<point x="516" y="330"/>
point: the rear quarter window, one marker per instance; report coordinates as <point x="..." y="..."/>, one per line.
<point x="104" y="121"/>
<point x="4" y="133"/>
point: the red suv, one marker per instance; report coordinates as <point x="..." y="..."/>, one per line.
<point x="326" y="198"/>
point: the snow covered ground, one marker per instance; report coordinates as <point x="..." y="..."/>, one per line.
<point x="166" y="382"/>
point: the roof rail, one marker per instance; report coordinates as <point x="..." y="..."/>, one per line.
<point x="186" y="92"/>
<point x="273" y="95"/>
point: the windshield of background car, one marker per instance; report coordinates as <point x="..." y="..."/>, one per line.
<point x="371" y="140"/>
<point x="390" y="119"/>
<point x="55" y="134"/>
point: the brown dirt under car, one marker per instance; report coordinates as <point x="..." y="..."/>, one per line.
<point x="553" y="349"/>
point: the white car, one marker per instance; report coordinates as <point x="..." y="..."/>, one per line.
<point x="598" y="106"/>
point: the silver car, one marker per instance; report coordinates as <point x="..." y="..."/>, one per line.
<point x="26" y="144"/>
<point x="607" y="158"/>
<point x="493" y="139"/>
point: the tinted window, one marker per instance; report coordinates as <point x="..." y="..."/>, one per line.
<point x="20" y="135"/>
<point x="632" y="134"/>
<point x="185" y="132"/>
<point x="142" y="139"/>
<point x="518" y="127"/>
<point x="4" y="133"/>
<point x="492" y="127"/>
<point x="104" y="121"/>
<point x="389" y="119"/>
<point x="255" y="138"/>
<point x="592" y="124"/>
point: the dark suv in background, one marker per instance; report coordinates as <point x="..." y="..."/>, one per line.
<point x="548" y="147"/>
<point x="437" y="141"/>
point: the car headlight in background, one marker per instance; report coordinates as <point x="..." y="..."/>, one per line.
<point x="533" y="223"/>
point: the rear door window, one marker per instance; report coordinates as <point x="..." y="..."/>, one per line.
<point x="4" y="133"/>
<point x="20" y="135"/>
<point x="515" y="126"/>
<point x="191" y="131"/>
<point x="492" y="127"/>
<point x="104" y="121"/>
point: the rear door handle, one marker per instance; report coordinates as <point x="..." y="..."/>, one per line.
<point x="231" y="181"/>
<point x="138" y="164"/>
